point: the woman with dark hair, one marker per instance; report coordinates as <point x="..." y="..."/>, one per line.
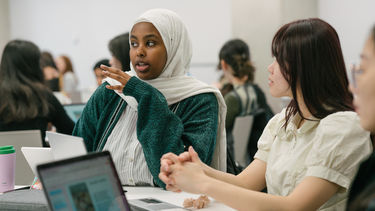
<point x="309" y="152"/>
<point x="50" y="72"/>
<point x="119" y="48"/>
<point x="362" y="192"/>
<point x="246" y="98"/>
<point x="68" y="80"/>
<point x="28" y="105"/>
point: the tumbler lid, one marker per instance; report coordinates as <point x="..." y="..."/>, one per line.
<point x="7" y="149"/>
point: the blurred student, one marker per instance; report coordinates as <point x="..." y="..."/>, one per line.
<point x="68" y="80"/>
<point x="119" y="47"/>
<point x="246" y="98"/>
<point x="308" y="153"/>
<point x="51" y="74"/>
<point x="99" y="72"/>
<point x="28" y="105"/>
<point x="160" y="110"/>
<point x="362" y="192"/>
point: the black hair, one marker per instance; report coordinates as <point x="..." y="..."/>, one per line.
<point x="237" y="55"/>
<point x="100" y="62"/>
<point x="22" y="83"/>
<point x="46" y="60"/>
<point x="119" y="47"/>
<point x="310" y="57"/>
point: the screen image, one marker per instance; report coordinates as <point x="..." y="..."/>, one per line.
<point x="88" y="185"/>
<point x="81" y="197"/>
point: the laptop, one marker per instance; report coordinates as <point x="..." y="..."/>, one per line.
<point x="74" y="111"/>
<point x="65" y="146"/>
<point x="89" y="182"/>
<point x="37" y="155"/>
<point x="22" y="138"/>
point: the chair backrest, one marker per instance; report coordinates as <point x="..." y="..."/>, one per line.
<point x="241" y="133"/>
<point x="22" y="138"/>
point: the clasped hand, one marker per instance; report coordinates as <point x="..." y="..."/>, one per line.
<point x="184" y="172"/>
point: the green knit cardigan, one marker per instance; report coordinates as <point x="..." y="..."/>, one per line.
<point x="194" y="122"/>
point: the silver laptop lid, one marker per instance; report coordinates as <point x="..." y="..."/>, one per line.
<point x="22" y="138"/>
<point x="65" y="146"/>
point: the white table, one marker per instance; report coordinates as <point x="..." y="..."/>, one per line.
<point x="168" y="196"/>
<point x="136" y="193"/>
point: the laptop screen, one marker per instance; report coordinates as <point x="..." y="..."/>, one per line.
<point x="88" y="182"/>
<point x="74" y="111"/>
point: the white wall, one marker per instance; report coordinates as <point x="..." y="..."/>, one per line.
<point x="352" y="20"/>
<point x="4" y="24"/>
<point x="82" y="29"/>
<point x="256" y="22"/>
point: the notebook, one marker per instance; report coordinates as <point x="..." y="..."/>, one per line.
<point x="22" y="138"/>
<point x="89" y="182"/>
<point x="74" y="111"/>
<point x="65" y="146"/>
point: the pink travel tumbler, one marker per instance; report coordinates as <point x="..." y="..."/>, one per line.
<point x="7" y="168"/>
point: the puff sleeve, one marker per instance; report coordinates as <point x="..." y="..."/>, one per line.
<point x="339" y="146"/>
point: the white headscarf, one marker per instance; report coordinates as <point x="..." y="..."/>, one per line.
<point x="173" y="82"/>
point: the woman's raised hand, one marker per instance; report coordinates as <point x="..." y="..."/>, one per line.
<point x="116" y="74"/>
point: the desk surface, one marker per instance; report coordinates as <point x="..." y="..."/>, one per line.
<point x="168" y="196"/>
<point x="21" y="197"/>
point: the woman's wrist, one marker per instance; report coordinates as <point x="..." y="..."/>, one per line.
<point x="205" y="185"/>
<point x="208" y="170"/>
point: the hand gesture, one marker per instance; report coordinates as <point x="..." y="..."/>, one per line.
<point x="116" y="74"/>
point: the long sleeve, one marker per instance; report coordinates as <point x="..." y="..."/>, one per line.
<point x="59" y="117"/>
<point x="92" y="124"/>
<point x="160" y="130"/>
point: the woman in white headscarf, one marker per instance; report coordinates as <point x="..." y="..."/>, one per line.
<point x="140" y="118"/>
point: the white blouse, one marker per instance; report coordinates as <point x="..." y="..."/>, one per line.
<point x="127" y="152"/>
<point x="331" y="148"/>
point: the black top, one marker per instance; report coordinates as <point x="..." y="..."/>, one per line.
<point x="57" y="116"/>
<point x="364" y="179"/>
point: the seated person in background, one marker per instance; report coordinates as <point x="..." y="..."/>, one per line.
<point x="68" y="80"/>
<point x="119" y="47"/>
<point x="362" y="192"/>
<point x="246" y="98"/>
<point x="50" y="72"/>
<point x="308" y="153"/>
<point x="29" y="104"/>
<point x="140" y="118"/>
<point x="99" y="72"/>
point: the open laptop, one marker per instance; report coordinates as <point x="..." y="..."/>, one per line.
<point x="65" y="146"/>
<point x="36" y="156"/>
<point x="22" y="138"/>
<point x="74" y="111"/>
<point x="89" y="182"/>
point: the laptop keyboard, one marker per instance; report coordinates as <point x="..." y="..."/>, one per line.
<point x="136" y="208"/>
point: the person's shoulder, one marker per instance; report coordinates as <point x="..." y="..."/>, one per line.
<point x="341" y="117"/>
<point x="342" y="124"/>
<point x="203" y="97"/>
<point x="102" y="90"/>
<point x="277" y="121"/>
<point x="230" y="96"/>
<point x="207" y="100"/>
